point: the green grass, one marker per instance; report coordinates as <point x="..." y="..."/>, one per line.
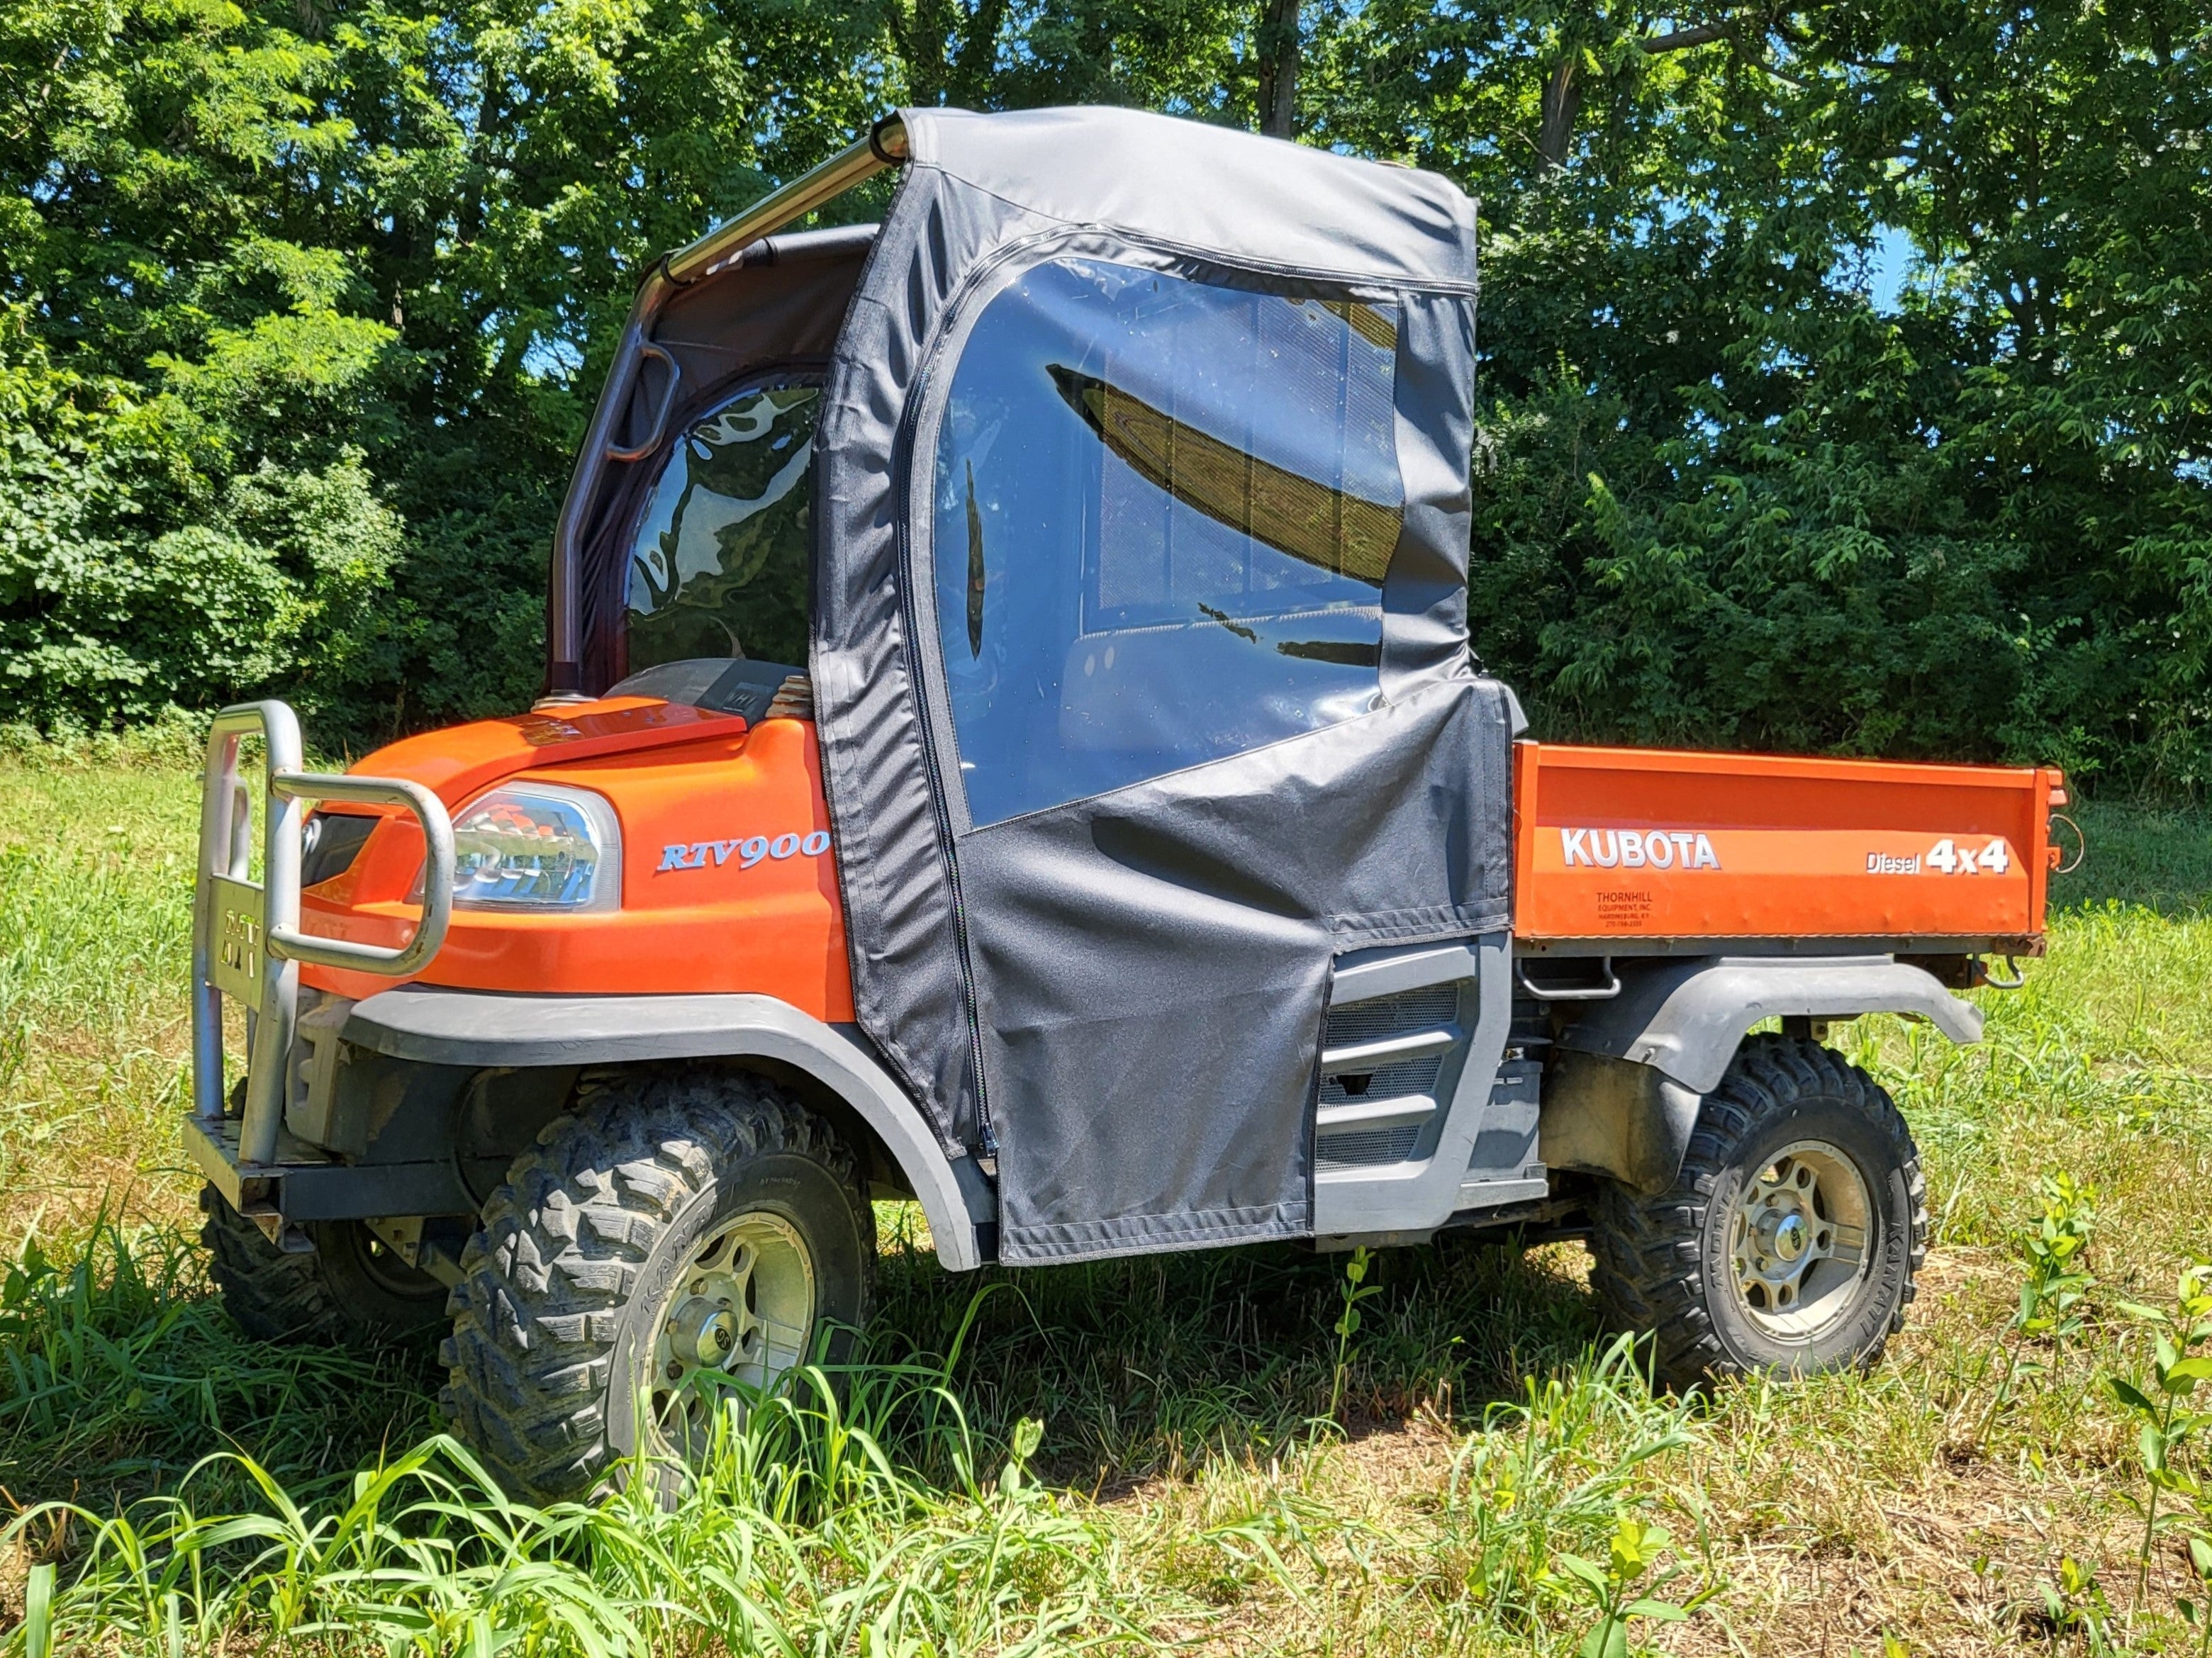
<point x="1179" y="1479"/>
<point x="95" y="921"/>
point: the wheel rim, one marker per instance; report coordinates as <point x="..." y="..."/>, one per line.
<point x="384" y="1266"/>
<point x="1797" y="1241"/>
<point x="742" y="1310"/>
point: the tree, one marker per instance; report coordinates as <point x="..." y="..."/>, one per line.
<point x="1278" y="52"/>
<point x="303" y="303"/>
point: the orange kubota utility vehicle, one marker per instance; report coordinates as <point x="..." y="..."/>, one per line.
<point x="1140" y="859"/>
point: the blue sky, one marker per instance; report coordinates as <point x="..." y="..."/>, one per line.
<point x="1888" y="267"/>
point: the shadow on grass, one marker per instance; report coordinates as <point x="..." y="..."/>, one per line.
<point x="1153" y="1364"/>
<point x="119" y="1369"/>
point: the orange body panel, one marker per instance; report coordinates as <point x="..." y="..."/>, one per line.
<point x="674" y="776"/>
<point x="1611" y="845"/>
<point x="1633" y="844"/>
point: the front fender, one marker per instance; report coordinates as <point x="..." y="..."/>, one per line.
<point x="431" y="1026"/>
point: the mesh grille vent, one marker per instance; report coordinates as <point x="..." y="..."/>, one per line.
<point x="1392" y="1016"/>
<point x="1366" y="1146"/>
<point x="1391" y="1082"/>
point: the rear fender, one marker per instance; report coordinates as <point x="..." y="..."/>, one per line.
<point x="1622" y="1092"/>
<point x="430" y="1026"/>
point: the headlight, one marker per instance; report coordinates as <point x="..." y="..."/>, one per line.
<point x="537" y="845"/>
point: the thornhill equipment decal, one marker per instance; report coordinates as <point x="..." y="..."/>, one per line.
<point x="1631" y="849"/>
<point x="750" y="850"/>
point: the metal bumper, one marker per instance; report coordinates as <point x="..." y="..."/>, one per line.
<point x="246" y="942"/>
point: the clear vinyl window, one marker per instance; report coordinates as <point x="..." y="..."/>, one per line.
<point x="718" y="567"/>
<point x="1163" y="510"/>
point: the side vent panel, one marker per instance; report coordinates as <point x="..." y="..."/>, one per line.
<point x="1382" y="1062"/>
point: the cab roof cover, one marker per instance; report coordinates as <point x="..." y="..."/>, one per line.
<point x="1094" y="932"/>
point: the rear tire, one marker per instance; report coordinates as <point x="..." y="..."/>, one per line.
<point x="1789" y="1243"/>
<point x="351" y="1292"/>
<point x="678" y="1221"/>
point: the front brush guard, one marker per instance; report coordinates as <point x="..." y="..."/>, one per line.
<point x="246" y="942"/>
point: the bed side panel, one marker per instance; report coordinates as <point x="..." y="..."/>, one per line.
<point x="1648" y="844"/>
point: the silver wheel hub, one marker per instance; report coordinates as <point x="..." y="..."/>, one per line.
<point x="742" y="1310"/>
<point x="1797" y="1241"/>
<point x="702" y="1332"/>
<point x="1785" y="1238"/>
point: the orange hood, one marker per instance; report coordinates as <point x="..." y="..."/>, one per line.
<point x="461" y="761"/>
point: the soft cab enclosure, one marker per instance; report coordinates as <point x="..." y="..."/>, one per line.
<point x="1140" y="649"/>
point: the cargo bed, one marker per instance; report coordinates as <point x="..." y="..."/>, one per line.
<point x="1656" y="852"/>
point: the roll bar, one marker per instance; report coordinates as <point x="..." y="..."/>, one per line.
<point x="884" y="147"/>
<point x="246" y="941"/>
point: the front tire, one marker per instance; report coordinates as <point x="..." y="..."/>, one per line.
<point x="353" y="1290"/>
<point x="677" y="1222"/>
<point x="1789" y="1243"/>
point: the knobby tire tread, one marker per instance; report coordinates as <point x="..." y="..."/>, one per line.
<point x="271" y="1294"/>
<point x="1647" y="1251"/>
<point x="545" y="1279"/>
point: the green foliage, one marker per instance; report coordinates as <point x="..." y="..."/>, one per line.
<point x="1555" y="1474"/>
<point x="799" y="1535"/>
<point x="2165" y="1424"/>
<point x="2200" y="1559"/>
<point x="1355" y="1289"/>
<point x="115" y="1359"/>
<point x="2057" y="1267"/>
<point x="1635" y="1552"/>
<point x="2077" y="1604"/>
<point x="301" y="306"/>
<point x="2052" y="1289"/>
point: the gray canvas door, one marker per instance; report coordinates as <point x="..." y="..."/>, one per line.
<point x="1155" y="698"/>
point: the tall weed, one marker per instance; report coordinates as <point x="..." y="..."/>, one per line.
<point x="1547" y="1481"/>
<point x="799" y="1535"/>
<point x="119" y="1372"/>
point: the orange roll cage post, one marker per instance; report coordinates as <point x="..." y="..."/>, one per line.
<point x="1653" y="851"/>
